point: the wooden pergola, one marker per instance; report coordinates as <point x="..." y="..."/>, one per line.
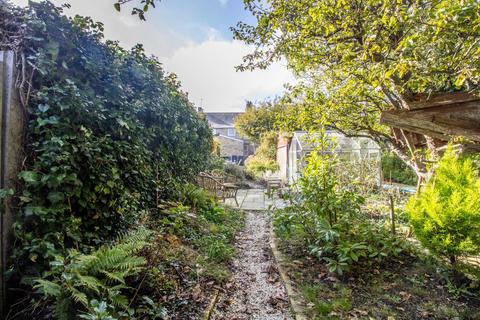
<point x="440" y="116"/>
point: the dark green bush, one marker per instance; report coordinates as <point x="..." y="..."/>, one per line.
<point x="109" y="134"/>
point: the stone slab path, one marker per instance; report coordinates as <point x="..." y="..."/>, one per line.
<point x="256" y="290"/>
<point x="254" y="200"/>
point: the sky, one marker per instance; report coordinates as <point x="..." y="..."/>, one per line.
<point x="192" y="39"/>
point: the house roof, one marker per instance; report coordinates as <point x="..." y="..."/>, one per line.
<point x="219" y="120"/>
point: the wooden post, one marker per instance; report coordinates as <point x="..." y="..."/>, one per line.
<point x="12" y="124"/>
<point x="392" y="214"/>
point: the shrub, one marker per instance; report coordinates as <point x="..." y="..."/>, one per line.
<point x="446" y="213"/>
<point x="396" y="170"/>
<point x="235" y="170"/>
<point x="326" y="220"/>
<point x="109" y="133"/>
<point x="257" y="166"/>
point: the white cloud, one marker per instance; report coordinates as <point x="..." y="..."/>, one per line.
<point x="207" y="72"/>
<point x="206" y="69"/>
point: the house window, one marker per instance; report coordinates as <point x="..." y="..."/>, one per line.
<point x="214" y="131"/>
<point x="231" y="132"/>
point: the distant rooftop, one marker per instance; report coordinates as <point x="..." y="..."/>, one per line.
<point x="219" y="120"/>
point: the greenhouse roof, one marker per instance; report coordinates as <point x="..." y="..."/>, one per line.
<point x="306" y="141"/>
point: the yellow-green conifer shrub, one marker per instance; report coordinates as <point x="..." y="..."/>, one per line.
<point x="446" y="214"/>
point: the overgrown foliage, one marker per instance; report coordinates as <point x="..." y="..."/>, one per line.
<point x="264" y="159"/>
<point x="356" y="59"/>
<point x="325" y="219"/>
<point x="395" y="170"/>
<point x="110" y="135"/>
<point x="446" y="213"/>
<point x="81" y="279"/>
<point x="258" y="120"/>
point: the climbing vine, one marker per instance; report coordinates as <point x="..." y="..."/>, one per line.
<point x="109" y="135"/>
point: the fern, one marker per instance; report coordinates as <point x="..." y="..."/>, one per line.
<point x="99" y="275"/>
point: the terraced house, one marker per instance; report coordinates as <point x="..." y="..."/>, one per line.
<point x="233" y="147"/>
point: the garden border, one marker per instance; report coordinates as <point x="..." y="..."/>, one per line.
<point x="295" y="304"/>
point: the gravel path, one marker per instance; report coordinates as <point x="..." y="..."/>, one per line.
<point x="256" y="291"/>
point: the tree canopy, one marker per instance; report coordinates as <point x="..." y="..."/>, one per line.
<point x="358" y="58"/>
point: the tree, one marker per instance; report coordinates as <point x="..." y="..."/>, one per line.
<point x="359" y="58"/>
<point x="258" y="120"/>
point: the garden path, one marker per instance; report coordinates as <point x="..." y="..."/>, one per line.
<point x="254" y="199"/>
<point x="256" y="290"/>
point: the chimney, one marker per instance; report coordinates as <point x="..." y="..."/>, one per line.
<point x="249" y="105"/>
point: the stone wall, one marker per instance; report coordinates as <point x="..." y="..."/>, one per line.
<point x="230" y="147"/>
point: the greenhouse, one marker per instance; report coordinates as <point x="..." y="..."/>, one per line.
<point x="291" y="156"/>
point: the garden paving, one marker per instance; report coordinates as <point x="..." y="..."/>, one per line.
<point x="255" y="200"/>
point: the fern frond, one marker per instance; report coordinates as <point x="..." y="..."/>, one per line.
<point x="115" y="276"/>
<point x="118" y="299"/>
<point x="78" y="296"/>
<point x="90" y="282"/>
<point x="48" y="288"/>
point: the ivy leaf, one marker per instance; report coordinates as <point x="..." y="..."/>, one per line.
<point x="123" y="123"/>
<point x="43" y="108"/>
<point x="29" y="176"/>
<point x="56" y="197"/>
<point x="6" y="193"/>
<point x="117" y="6"/>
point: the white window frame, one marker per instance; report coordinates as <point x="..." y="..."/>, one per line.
<point x="231" y="132"/>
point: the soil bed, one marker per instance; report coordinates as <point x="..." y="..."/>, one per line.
<point x="408" y="289"/>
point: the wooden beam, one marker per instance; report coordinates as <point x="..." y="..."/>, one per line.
<point x="422" y="101"/>
<point x="440" y="125"/>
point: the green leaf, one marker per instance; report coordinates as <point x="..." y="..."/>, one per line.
<point x="4" y="193"/>
<point x="56" y="197"/>
<point x="117" y="6"/>
<point x="43" y="107"/>
<point x="29" y="176"/>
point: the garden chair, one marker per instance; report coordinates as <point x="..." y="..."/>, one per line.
<point x="217" y="187"/>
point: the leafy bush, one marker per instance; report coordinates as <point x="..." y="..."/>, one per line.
<point x="326" y="220"/>
<point x="323" y="196"/>
<point x="396" y="170"/>
<point x="257" y="166"/>
<point x="446" y="213"/>
<point x="235" y="170"/>
<point x="109" y="133"/>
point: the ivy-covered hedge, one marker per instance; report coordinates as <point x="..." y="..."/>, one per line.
<point x="109" y="135"/>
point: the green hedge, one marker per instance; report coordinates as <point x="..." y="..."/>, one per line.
<point x="109" y="134"/>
